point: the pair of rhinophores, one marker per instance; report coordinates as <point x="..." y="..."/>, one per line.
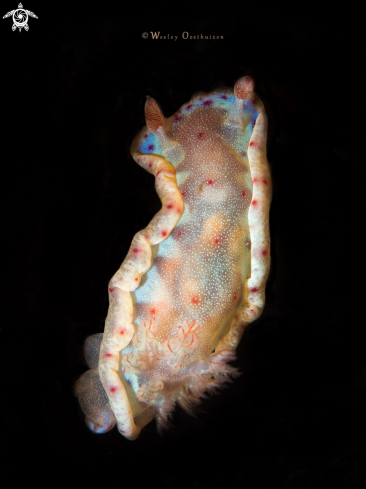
<point x="195" y="277"/>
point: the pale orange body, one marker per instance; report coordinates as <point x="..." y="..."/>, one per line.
<point x="195" y="277"/>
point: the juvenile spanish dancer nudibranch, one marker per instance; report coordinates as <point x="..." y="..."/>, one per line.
<point x="195" y="277"/>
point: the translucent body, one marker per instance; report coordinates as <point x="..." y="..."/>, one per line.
<point x="198" y="273"/>
<point x="195" y="277"/>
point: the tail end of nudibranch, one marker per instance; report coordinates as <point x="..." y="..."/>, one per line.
<point x="155" y="120"/>
<point x="242" y="90"/>
<point x="94" y="402"/>
<point x="90" y="392"/>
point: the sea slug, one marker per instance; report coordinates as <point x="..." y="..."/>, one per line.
<point x="195" y="277"/>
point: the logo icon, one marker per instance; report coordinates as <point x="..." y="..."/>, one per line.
<point x="20" y="17"/>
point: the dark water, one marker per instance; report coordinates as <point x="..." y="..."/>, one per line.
<point x="73" y="90"/>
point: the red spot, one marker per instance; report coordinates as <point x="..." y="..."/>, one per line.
<point x="254" y="202"/>
<point x="207" y="103"/>
<point x="111" y="289"/>
<point x="164" y="233"/>
<point x="108" y="355"/>
<point x="194" y="299"/>
<point x="189" y="107"/>
<point x="135" y="250"/>
<point x="113" y="389"/>
<point x="179" y="234"/>
<point x="177" y="118"/>
<point x="242" y="193"/>
<point x="252" y="310"/>
<point x="152" y="311"/>
<point x="150" y="165"/>
<point x="151" y="147"/>
<point x="264" y="252"/>
<point x="235" y="295"/>
<point x="254" y="144"/>
<point x="179" y="210"/>
<point x="264" y="181"/>
<point x="200" y="135"/>
<point x="255" y="179"/>
<point x="210" y="181"/>
<point x="158" y="173"/>
<point x="145" y="136"/>
<point x="254" y="289"/>
<point x="224" y="97"/>
<point x="122" y="331"/>
<point x="216" y="240"/>
<point x="136" y="279"/>
<point x="183" y="194"/>
<point x="170" y="206"/>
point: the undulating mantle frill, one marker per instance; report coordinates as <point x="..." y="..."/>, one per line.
<point x="195" y="277"/>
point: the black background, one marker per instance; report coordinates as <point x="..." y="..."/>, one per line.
<point x="73" y="90"/>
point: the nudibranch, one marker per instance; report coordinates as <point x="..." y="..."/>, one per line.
<point x="195" y="277"/>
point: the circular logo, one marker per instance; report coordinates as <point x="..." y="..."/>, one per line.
<point x="145" y="35"/>
<point x="20" y="17"/>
